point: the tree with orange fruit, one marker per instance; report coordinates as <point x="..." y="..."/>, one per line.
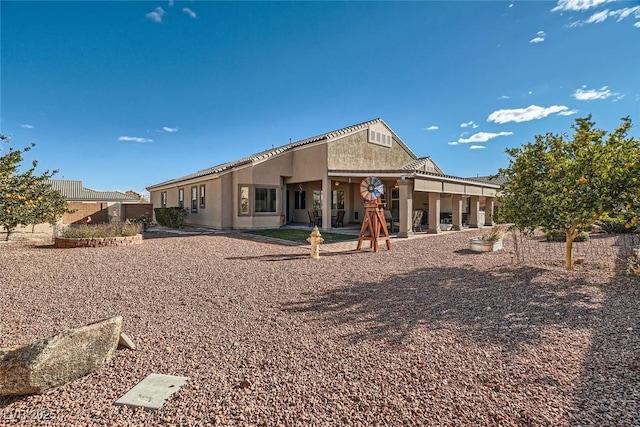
<point x="26" y="198"/>
<point x="556" y="183"/>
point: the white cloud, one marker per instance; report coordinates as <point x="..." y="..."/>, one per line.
<point x="583" y="94"/>
<point x="532" y="112"/>
<point x="156" y="15"/>
<point x="432" y="127"/>
<point x="602" y="16"/>
<point x="134" y="139"/>
<point x="168" y="129"/>
<point x="27" y="126"/>
<point x="476" y="147"/>
<point x="567" y="113"/>
<point x="577" y="4"/>
<point x="539" y="38"/>
<point x="470" y="124"/>
<point x="598" y="17"/>
<point x="637" y="24"/>
<point x="624" y="13"/>
<point x="453" y="143"/>
<point x="189" y="12"/>
<point x="482" y="137"/>
<point x="504" y="97"/>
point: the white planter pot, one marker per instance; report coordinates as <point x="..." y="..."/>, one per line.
<point x="479" y="245"/>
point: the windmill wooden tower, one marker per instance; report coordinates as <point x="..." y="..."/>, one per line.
<point x="373" y="224"/>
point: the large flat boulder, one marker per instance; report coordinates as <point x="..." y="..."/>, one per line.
<point x="52" y="362"/>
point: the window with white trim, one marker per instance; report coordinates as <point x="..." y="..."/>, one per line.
<point x="181" y="197"/>
<point x="194" y="199"/>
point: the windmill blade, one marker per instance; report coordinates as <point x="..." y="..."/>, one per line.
<point x="371" y="188"/>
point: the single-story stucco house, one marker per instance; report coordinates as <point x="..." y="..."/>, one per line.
<point x="324" y="173"/>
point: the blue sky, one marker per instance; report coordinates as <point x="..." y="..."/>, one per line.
<point x="122" y="95"/>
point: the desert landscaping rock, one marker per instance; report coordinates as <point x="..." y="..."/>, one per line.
<point x="126" y="342"/>
<point x="356" y="338"/>
<point x="152" y="392"/>
<point x="42" y="365"/>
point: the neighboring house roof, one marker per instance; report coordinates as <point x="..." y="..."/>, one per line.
<point x="279" y="150"/>
<point x="491" y="179"/>
<point x="74" y="191"/>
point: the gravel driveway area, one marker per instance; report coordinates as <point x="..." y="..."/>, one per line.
<point x="428" y="333"/>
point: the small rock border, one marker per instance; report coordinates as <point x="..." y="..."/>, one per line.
<point x="95" y="242"/>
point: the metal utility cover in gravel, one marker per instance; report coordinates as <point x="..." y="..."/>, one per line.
<point x="152" y="391"/>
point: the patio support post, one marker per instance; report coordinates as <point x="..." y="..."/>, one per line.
<point x="434" y="213"/>
<point x="456" y="200"/>
<point x="488" y="212"/>
<point x="406" y="207"/>
<point x="474" y="207"/>
<point x="326" y="202"/>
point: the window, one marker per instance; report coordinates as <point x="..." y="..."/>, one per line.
<point x="244" y="201"/>
<point x="181" y="197"/>
<point x="163" y="199"/>
<point x="265" y="200"/>
<point x="337" y="199"/>
<point x="202" y="196"/>
<point x="317" y="200"/>
<point x="300" y="200"/>
<point x="395" y="202"/>
<point x="194" y="199"/>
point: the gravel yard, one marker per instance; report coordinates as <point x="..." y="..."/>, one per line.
<point x="426" y="334"/>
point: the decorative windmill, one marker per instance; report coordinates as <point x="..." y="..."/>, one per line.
<point x="371" y="189"/>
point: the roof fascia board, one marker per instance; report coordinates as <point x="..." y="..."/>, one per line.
<point x="453" y="179"/>
<point x="283" y="152"/>
<point x="186" y="182"/>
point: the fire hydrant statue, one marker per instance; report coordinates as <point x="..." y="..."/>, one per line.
<point x="315" y="239"/>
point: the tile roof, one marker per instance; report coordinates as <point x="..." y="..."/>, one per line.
<point x="75" y="191"/>
<point x="279" y="150"/>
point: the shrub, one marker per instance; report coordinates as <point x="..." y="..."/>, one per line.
<point x="561" y="236"/>
<point x="86" y="231"/>
<point x="146" y="220"/>
<point x="494" y="235"/>
<point x="615" y="225"/>
<point x="171" y="217"/>
<point x="633" y="263"/>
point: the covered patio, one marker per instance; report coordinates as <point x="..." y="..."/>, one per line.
<point x="413" y="201"/>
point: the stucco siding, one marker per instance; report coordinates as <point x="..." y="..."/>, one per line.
<point x="353" y="152"/>
<point x="309" y="164"/>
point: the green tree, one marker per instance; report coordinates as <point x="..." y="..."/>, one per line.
<point x="566" y="184"/>
<point x="137" y="195"/>
<point x="26" y="198"/>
